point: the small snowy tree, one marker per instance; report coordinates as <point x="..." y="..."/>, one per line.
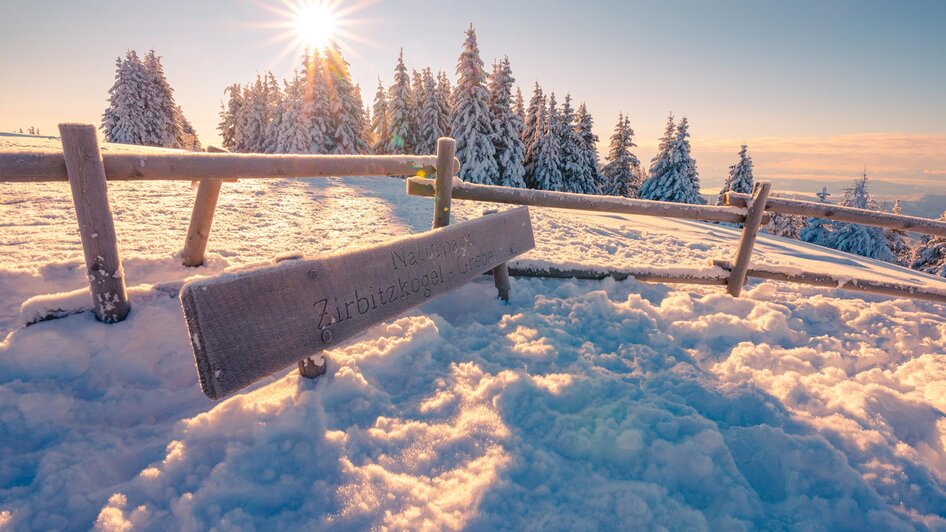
<point x="400" y="105"/>
<point x="547" y="174"/>
<point x="584" y="125"/>
<point x="621" y="163"/>
<point x="348" y="115"/>
<point x="471" y="122"/>
<point x="785" y="225"/>
<point x="380" y="122"/>
<point x="740" y="176"/>
<point x="675" y="178"/>
<point x="859" y="239"/>
<point x="816" y="231"/>
<point x="930" y="254"/>
<point x="897" y="241"/>
<point x="507" y="127"/>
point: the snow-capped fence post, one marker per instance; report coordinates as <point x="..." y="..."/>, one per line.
<point x="80" y="147"/>
<point x="198" y="232"/>
<point x="501" y="272"/>
<point x="756" y="208"/>
<point x="446" y="150"/>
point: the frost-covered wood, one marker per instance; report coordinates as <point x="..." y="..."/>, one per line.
<point x="97" y="229"/>
<point x="750" y="231"/>
<point x="246" y="325"/>
<point x="446" y="148"/>
<point x="844" y="214"/>
<point x="417" y="186"/>
<point x="202" y="218"/>
<point x="49" y="166"/>
<point x="715" y="276"/>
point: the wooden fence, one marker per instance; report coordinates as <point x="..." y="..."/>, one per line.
<point x="87" y="171"/>
<point x="751" y="210"/>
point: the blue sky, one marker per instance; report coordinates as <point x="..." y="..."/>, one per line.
<point x="780" y="75"/>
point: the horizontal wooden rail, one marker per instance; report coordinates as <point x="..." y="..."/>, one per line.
<point x="813" y="209"/>
<point x="417" y="186"/>
<point x="50" y="166"/>
<point x="719" y="275"/>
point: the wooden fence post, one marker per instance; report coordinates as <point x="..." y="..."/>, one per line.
<point x="750" y="230"/>
<point x="446" y="150"/>
<point x="80" y="148"/>
<point x="501" y="272"/>
<point x="198" y="232"/>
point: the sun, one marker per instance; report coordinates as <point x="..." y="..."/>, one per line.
<point x="315" y="24"/>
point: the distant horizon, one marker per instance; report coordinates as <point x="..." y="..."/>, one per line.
<point x="817" y="92"/>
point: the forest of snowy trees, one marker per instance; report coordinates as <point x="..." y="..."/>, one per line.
<point x="545" y="144"/>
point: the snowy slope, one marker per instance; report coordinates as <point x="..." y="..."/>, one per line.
<point x="579" y="404"/>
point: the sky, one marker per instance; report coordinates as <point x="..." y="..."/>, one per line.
<point x="818" y="90"/>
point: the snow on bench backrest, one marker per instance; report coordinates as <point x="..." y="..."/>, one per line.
<point x="247" y="325"/>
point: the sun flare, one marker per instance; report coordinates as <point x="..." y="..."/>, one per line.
<point x="315" y="25"/>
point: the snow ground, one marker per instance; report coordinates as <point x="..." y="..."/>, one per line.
<point x="578" y="405"/>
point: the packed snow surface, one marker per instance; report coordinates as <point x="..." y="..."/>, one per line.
<point x="577" y="405"/>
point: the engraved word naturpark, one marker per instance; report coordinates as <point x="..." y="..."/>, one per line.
<point x="249" y="324"/>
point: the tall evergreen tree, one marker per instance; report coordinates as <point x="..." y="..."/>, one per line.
<point x="253" y="118"/>
<point x="677" y="179"/>
<point x="295" y="124"/>
<point x="573" y="162"/>
<point x="380" y="122"/>
<point x="507" y="127"/>
<point x="163" y="114"/>
<point x="348" y="117"/>
<point x="530" y="131"/>
<point x="867" y="241"/>
<point x="317" y="105"/>
<point x="584" y="124"/>
<point x="445" y="97"/>
<point x="621" y="165"/>
<point x="547" y="173"/>
<point x="740" y="176"/>
<point x="930" y="254"/>
<point x="400" y="104"/>
<point x="125" y="120"/>
<point x="661" y="160"/>
<point x="431" y="115"/>
<point x="470" y="123"/>
<point x="274" y="110"/>
<point x="419" y="98"/>
<point x="519" y="106"/>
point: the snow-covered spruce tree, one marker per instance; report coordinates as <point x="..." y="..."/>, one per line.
<point x="519" y="106"/>
<point x="530" y="129"/>
<point x="367" y="136"/>
<point x="252" y="137"/>
<point x="471" y="122"/>
<point x="507" y="141"/>
<point x="572" y="163"/>
<point x="930" y="254"/>
<point x="317" y="106"/>
<point x="188" y="139"/>
<point x="348" y="116"/>
<point x="863" y="240"/>
<point x="163" y="115"/>
<point x="125" y="120"/>
<point x="621" y="163"/>
<point x="547" y="174"/>
<point x="445" y="97"/>
<point x="274" y="110"/>
<point x="380" y="122"/>
<point x="419" y="97"/>
<point x="676" y="179"/>
<point x="816" y="230"/>
<point x="584" y="124"/>
<point x="898" y="242"/>
<point x="431" y="115"/>
<point x="661" y="160"/>
<point x="740" y="176"/>
<point x="295" y="124"/>
<point x="400" y="103"/>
